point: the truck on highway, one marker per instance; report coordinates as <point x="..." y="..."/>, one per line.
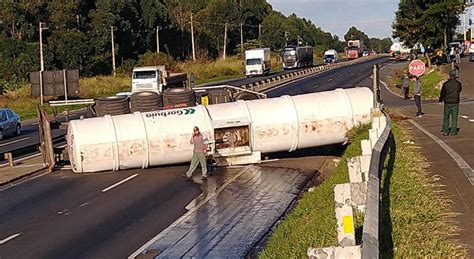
<point x="355" y="48"/>
<point x="155" y="79"/>
<point x="257" y="62"/>
<point x="330" y="56"/>
<point x="297" y="57"/>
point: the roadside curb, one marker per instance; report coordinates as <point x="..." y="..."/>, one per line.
<point x="13" y="180"/>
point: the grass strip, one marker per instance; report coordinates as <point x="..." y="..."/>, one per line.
<point x="415" y="217"/>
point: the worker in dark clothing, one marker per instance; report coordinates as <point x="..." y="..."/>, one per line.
<point x="417" y="96"/>
<point x="406" y="86"/>
<point x="450" y="95"/>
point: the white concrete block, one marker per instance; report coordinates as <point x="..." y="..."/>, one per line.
<point x="365" y="166"/>
<point x="344" y="215"/>
<point x="349" y="252"/>
<point x="359" y="196"/>
<point x="366" y="147"/>
<point x="355" y="174"/>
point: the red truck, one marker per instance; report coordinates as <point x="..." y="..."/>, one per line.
<point x="354" y="49"/>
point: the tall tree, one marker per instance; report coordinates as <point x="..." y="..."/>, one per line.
<point x="355" y="34"/>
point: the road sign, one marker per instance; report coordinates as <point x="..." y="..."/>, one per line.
<point x="417" y="67"/>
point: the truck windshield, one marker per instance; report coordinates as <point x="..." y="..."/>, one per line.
<point x="253" y="61"/>
<point x="329" y="56"/>
<point x="144" y="74"/>
<point x="291" y="54"/>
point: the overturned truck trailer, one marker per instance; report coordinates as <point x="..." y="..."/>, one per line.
<point x="238" y="132"/>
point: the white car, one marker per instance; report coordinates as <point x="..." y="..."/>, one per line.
<point x="471" y="48"/>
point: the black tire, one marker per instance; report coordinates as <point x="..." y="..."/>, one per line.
<point x="178" y="97"/>
<point x="146" y="101"/>
<point x="246" y="96"/>
<point x="112" y="105"/>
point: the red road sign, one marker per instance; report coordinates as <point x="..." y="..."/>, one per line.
<point x="417" y="67"/>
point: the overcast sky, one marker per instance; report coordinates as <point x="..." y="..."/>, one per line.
<point x="374" y="17"/>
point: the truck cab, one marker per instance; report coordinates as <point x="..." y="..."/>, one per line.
<point x="330" y="56"/>
<point x="257" y="62"/>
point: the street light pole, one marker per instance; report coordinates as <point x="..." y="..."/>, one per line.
<point x="113" y="49"/>
<point x="158" y="39"/>
<point x="41" y="28"/>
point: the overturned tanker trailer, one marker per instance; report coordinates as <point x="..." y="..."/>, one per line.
<point x="237" y="132"/>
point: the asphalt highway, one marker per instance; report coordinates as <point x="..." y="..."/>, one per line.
<point x="110" y="215"/>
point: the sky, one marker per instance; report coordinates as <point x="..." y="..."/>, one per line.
<point x="374" y="17"/>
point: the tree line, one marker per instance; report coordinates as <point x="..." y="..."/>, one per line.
<point x="78" y="33"/>
<point x="432" y="23"/>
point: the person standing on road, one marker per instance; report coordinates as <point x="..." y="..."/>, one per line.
<point x="458" y="56"/>
<point x="451" y="95"/>
<point x="406" y="86"/>
<point x="199" y="154"/>
<point x="417" y="96"/>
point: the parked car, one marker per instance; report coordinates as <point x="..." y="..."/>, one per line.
<point x="471" y="56"/>
<point x="10" y="123"/>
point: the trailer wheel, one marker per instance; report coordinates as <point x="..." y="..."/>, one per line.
<point x="246" y="96"/>
<point x="146" y="101"/>
<point x="179" y="97"/>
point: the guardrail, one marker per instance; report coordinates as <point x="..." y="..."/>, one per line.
<point x="370" y="234"/>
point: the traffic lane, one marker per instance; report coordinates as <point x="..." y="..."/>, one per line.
<point x="70" y="216"/>
<point x="29" y="135"/>
<point x="342" y="77"/>
<point x="29" y="139"/>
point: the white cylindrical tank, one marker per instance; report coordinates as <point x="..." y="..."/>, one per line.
<point x="286" y="123"/>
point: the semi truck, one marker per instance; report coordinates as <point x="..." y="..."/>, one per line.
<point x="330" y="56"/>
<point x="155" y="79"/>
<point x="355" y="49"/>
<point x="297" y="57"/>
<point x="257" y="62"/>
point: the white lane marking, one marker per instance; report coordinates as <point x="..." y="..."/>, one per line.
<point x="471" y="120"/>
<point x="330" y="79"/>
<point x="3" y="241"/>
<point x="187" y="214"/>
<point x="119" y="183"/>
<point x="13" y="141"/>
<point x="464" y="117"/>
<point x="316" y="86"/>
<point x="20" y="159"/>
<point x="463" y="165"/>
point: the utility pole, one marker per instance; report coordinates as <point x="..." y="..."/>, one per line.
<point x="225" y="41"/>
<point x="113" y="49"/>
<point x="259" y="31"/>
<point x="192" y="38"/>
<point x="158" y="39"/>
<point x="241" y="37"/>
<point x="41" y="28"/>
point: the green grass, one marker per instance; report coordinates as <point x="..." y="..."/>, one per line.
<point x="430" y="82"/>
<point x="416" y="219"/>
<point x="414" y="208"/>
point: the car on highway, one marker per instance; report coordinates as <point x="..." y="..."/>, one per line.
<point x="10" y="123"/>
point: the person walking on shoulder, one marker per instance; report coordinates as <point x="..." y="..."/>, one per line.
<point x="199" y="154"/>
<point x="417" y="97"/>
<point x="451" y="95"/>
<point x="405" y="86"/>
